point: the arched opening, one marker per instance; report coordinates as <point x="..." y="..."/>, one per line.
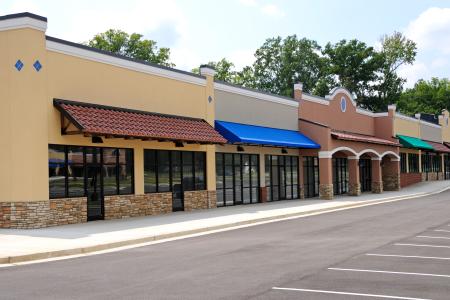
<point x="340" y="169"/>
<point x="390" y="170"/>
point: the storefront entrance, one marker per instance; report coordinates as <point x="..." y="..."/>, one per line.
<point x="90" y="172"/>
<point x="311" y="176"/>
<point x="237" y="178"/>
<point x="340" y="175"/>
<point x="281" y="177"/>
<point x="365" y="174"/>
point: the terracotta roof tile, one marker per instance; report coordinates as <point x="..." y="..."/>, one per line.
<point x="362" y="138"/>
<point x="105" y="120"/>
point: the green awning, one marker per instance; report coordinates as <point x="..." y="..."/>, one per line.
<point x="412" y="142"/>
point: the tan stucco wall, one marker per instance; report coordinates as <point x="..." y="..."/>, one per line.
<point x="444" y="121"/>
<point x="238" y="108"/>
<point x="30" y="122"/>
<point x="23" y="114"/>
<point x="406" y="127"/>
<point x="429" y="132"/>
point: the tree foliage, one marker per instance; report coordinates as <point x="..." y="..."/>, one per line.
<point x="131" y="45"/>
<point x="426" y="96"/>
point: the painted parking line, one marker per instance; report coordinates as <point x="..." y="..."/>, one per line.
<point x="407" y="256"/>
<point x="348" y="293"/>
<point x="390" y="272"/>
<point x="433" y="237"/>
<point x="442" y="230"/>
<point x="421" y="245"/>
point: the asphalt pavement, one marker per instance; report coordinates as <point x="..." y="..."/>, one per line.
<point x="397" y="250"/>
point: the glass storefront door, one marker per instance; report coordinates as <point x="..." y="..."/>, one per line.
<point x="340" y="175"/>
<point x="281" y="177"/>
<point x="365" y="174"/>
<point x="94" y="184"/>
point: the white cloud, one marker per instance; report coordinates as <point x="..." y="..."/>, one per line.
<point x="242" y="58"/>
<point x="431" y="30"/>
<point x="412" y="73"/>
<point x="272" y="10"/>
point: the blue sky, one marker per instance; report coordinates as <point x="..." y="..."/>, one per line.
<point x="199" y="31"/>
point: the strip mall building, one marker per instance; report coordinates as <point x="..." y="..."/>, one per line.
<point x="90" y="135"/>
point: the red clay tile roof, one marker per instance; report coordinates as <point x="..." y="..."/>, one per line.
<point x="362" y="138"/>
<point x="438" y="147"/>
<point x="118" y="122"/>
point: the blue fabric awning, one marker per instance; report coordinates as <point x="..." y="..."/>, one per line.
<point x="237" y="133"/>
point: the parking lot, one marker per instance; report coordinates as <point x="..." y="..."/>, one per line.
<point x="414" y="268"/>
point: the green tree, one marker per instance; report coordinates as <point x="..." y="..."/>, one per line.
<point x="426" y="96"/>
<point x="355" y="66"/>
<point x="224" y="70"/>
<point x="396" y="50"/>
<point x="280" y="63"/>
<point x="131" y="45"/>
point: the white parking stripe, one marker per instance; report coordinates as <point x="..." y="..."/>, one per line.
<point x="407" y="256"/>
<point x="433" y="237"/>
<point x="421" y="245"/>
<point x="390" y="272"/>
<point x="348" y="293"/>
<point x="442" y="230"/>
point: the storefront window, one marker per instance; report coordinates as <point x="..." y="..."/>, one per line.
<point x="176" y="171"/>
<point x="403" y="162"/>
<point x="413" y="163"/>
<point x="282" y="177"/>
<point x="311" y="176"/>
<point x="240" y="173"/>
<point x="340" y="175"/>
<point x="69" y="172"/>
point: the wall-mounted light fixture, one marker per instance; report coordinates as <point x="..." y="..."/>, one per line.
<point x="97" y="140"/>
<point x="240" y="149"/>
<point x="179" y="144"/>
<point x="284" y="151"/>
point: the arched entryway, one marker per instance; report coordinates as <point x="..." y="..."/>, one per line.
<point x="390" y="169"/>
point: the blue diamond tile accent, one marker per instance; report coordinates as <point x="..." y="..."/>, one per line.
<point x="19" y="65"/>
<point x="37" y="65"/>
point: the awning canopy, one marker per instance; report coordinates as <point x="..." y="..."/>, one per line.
<point x="412" y="142"/>
<point x="362" y="138"/>
<point x="237" y="133"/>
<point x="98" y="120"/>
<point x="438" y="147"/>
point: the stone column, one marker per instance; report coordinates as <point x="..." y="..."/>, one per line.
<point x="354" y="186"/>
<point x="326" y="179"/>
<point x="391" y="174"/>
<point x="377" y="181"/>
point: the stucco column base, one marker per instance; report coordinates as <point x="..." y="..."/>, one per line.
<point x="326" y="191"/>
<point x="263" y="194"/>
<point x="377" y="187"/>
<point x="354" y="189"/>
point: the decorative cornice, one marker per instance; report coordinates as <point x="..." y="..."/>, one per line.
<point x="254" y="94"/>
<point x="92" y="54"/>
<point x="206" y="70"/>
<point x="23" y="20"/>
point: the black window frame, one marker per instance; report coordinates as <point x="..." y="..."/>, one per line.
<point x="340" y="175"/>
<point x="403" y="163"/>
<point x="237" y="166"/>
<point x="413" y="163"/>
<point x="84" y="166"/>
<point x="171" y="154"/>
<point x="311" y="176"/>
<point x="280" y="166"/>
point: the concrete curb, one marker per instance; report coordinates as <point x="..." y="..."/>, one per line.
<point x="107" y="246"/>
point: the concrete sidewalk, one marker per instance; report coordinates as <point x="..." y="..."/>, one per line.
<point x="26" y="245"/>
